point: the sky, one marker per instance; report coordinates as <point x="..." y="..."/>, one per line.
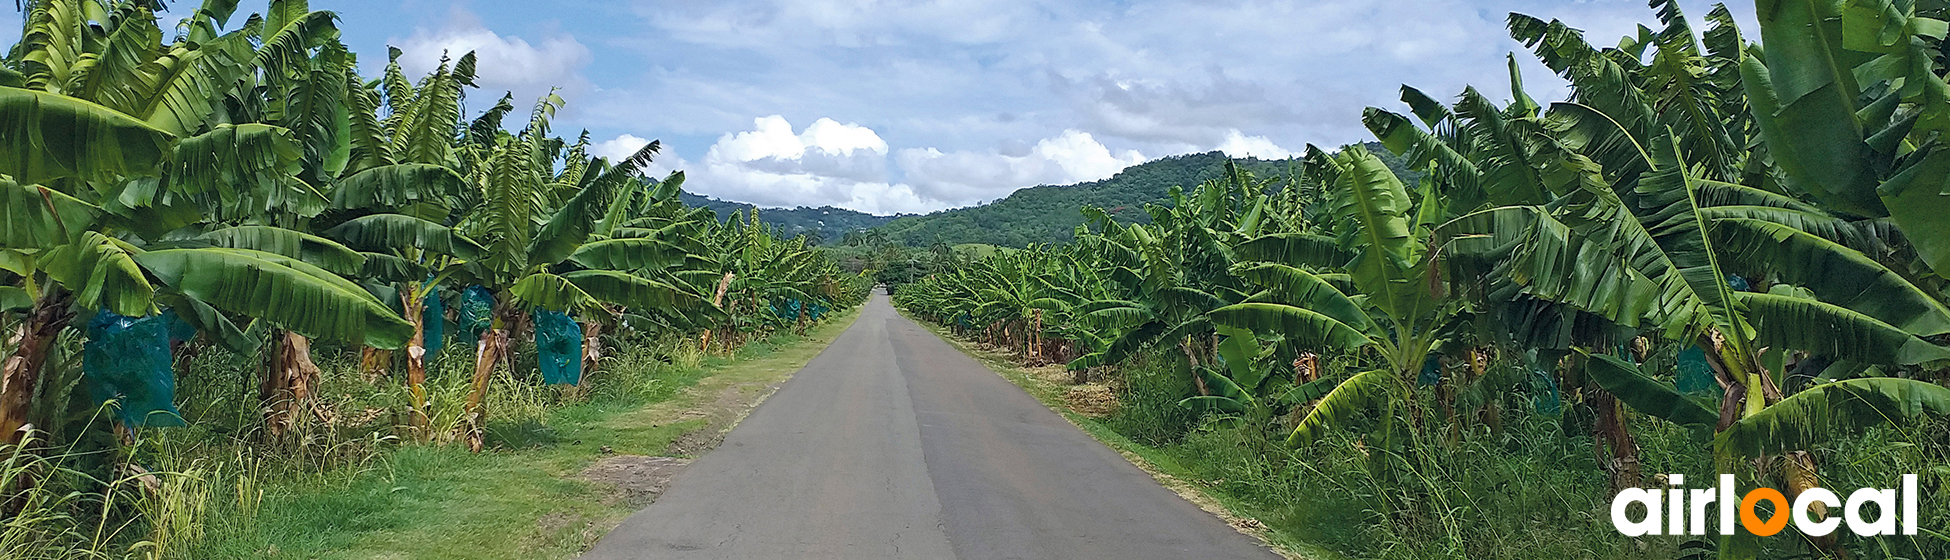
<point x="907" y="106"/>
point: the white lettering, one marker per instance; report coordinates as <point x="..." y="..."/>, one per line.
<point x="1885" y="523"/>
<point x="1909" y="504"/>
<point x="1701" y="498"/>
<point x="1676" y="505"/>
<point x="1641" y="496"/>
<point x="1801" y="510"/>
<point x="1727" y="504"/>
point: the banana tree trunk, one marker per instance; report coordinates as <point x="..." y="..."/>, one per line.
<point x="492" y="347"/>
<point x="289" y="382"/>
<point x="704" y="345"/>
<point x="1617" y="451"/>
<point x="592" y="347"/>
<point x="414" y="306"/>
<point x="22" y="371"/>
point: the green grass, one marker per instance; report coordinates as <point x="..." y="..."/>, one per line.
<point x="520" y="500"/>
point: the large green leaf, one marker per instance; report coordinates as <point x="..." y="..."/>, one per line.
<point x="394" y="232"/>
<point x="298" y="296"/>
<point x="571" y="225"/>
<point x="1302" y="327"/>
<point x="1834" y="331"/>
<point x="1240" y="350"/>
<point x="1373" y="207"/>
<point x="635" y="253"/>
<point x="1368" y="391"/>
<point x="1804" y="100"/>
<point x="1645" y="394"/>
<point x="15" y="299"/>
<point x="1836" y="274"/>
<point x="102" y="273"/>
<point x="1925" y="219"/>
<point x="1299" y="288"/>
<point x="1818" y="415"/>
<point x="37" y="217"/>
<point x="213" y="323"/>
<point x="45" y="136"/>
<point x="1297" y="249"/>
<point x="242" y="172"/>
<point x="634" y="292"/>
<point x="321" y="252"/>
<point x="392" y="186"/>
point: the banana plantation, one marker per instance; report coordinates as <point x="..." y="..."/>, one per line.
<point x="225" y="200"/>
<point x="1725" y="252"/>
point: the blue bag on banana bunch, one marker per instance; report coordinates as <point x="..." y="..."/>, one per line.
<point x="127" y="359"/>
<point x="434" y="320"/>
<point x="475" y="312"/>
<point x="558" y="344"/>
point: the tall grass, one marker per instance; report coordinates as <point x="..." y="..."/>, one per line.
<point x="158" y="493"/>
<point x="1529" y="490"/>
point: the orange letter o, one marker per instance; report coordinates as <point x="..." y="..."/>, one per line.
<point x="1751" y="520"/>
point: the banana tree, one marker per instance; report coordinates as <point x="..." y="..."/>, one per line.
<point x="554" y="266"/>
<point x="67" y="254"/>
<point x="1397" y="312"/>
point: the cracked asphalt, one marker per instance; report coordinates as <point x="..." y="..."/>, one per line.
<point x="893" y="444"/>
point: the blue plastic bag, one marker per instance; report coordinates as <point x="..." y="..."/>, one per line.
<point x="433" y="321"/>
<point x="127" y="359"/>
<point x="558" y="345"/>
<point x="1695" y="374"/>
<point x="1431" y="371"/>
<point x="476" y="311"/>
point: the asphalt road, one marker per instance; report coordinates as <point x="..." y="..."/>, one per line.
<point x="892" y="444"/>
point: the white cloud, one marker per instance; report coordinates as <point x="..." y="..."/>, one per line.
<point x="618" y="148"/>
<point x="848" y="165"/>
<point x="1240" y="145"/>
<point x="828" y="163"/>
<point x="506" y="63"/>
<point x="963" y="178"/>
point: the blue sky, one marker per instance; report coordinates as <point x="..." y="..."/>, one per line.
<point x="916" y="105"/>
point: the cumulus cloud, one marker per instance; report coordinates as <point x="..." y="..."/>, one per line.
<point x="850" y="166"/>
<point x="963" y="178"/>
<point x="618" y="148"/>
<point x="506" y="63"/>
<point x="827" y="163"/>
<point x="1240" y="145"/>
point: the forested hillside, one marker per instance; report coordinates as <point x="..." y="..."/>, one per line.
<point x="1048" y="213"/>
<point x="826" y="224"/>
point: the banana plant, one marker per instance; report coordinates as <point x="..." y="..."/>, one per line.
<point x="66" y="252"/>
<point x="1397" y="311"/>
<point x="555" y="266"/>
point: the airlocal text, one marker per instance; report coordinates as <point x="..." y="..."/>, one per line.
<point x="1682" y="511"/>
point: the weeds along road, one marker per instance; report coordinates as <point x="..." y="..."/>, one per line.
<point x="892" y="444"/>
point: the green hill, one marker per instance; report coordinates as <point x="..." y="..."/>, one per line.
<point x="1048" y="214"/>
<point x="1040" y="214"/>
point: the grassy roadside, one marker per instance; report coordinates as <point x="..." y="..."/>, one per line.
<point x="439" y="502"/>
<point x="1044" y="384"/>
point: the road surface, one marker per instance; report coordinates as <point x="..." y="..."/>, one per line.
<point x="893" y="444"/>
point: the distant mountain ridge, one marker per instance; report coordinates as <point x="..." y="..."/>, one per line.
<point x="826" y="224"/>
<point x="1039" y="214"/>
<point x="1049" y="213"/>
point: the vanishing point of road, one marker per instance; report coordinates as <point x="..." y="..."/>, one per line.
<point x="893" y="444"/>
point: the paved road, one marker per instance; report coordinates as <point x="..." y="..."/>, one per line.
<point x="892" y="444"/>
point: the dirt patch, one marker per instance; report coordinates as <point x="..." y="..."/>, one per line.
<point x="724" y="411"/>
<point x="1093" y="399"/>
<point x="637" y="480"/>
